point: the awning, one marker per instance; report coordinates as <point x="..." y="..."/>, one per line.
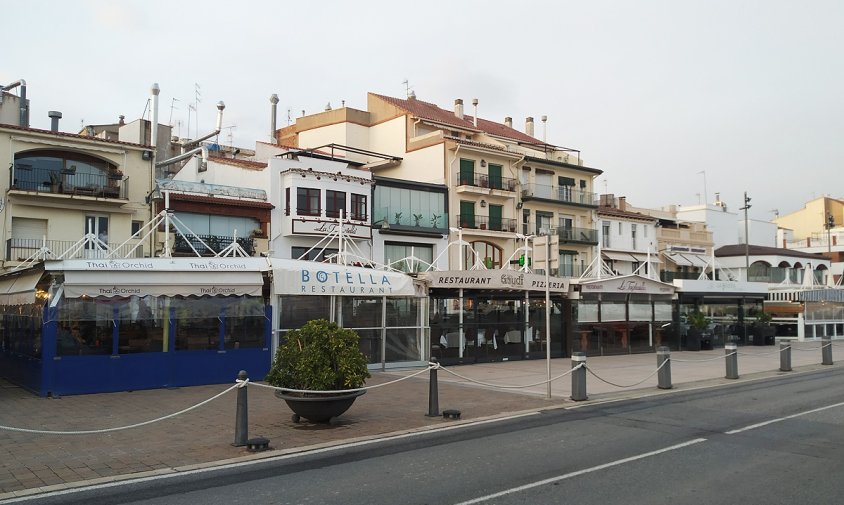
<point x="297" y="277"/>
<point x="161" y="283"/>
<point x="19" y="290"/>
<point x="679" y="259"/>
<point x="643" y="258"/>
<point x="618" y="256"/>
<point x="696" y="260"/>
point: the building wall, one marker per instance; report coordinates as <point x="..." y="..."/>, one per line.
<point x="811" y="219"/>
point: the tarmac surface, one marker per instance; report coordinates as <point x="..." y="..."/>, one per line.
<point x="37" y="463"/>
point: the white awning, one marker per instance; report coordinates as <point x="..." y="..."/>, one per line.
<point x="298" y="277"/>
<point x="643" y="258"/>
<point x="161" y="283"/>
<point x="679" y="259"/>
<point x="618" y="256"/>
<point x="19" y="290"/>
<point x="697" y="260"/>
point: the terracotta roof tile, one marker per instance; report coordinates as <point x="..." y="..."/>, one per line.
<point x="71" y="135"/>
<point x="759" y="250"/>
<point x="426" y="110"/>
<point x="220" y="200"/>
<point x="255" y="165"/>
<point x="616" y="212"/>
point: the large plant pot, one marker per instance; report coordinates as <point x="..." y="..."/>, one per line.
<point x="318" y="409"/>
<point x="693" y="339"/>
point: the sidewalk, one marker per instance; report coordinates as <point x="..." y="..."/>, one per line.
<point x="33" y="463"/>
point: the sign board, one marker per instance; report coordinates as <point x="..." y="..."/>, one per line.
<point x="315" y="227"/>
<point x="500" y="279"/>
<point x="295" y="277"/>
<point x="707" y="286"/>
<point x="540" y="250"/>
<point x="627" y="284"/>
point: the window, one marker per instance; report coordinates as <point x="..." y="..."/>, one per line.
<point x="286" y="201"/>
<point x="408" y="257"/>
<point x="467" y="172"/>
<point x="59" y="171"/>
<point x="315" y="254"/>
<point x="335" y="202"/>
<point x="467" y="214"/>
<point x="606" y="234"/>
<point x="488" y="254"/>
<point x="525" y="221"/>
<point x="307" y="202"/>
<point x="495" y="181"/>
<point x="387" y="202"/>
<point x="136" y="227"/>
<point x="495" y="212"/>
<point x="565" y="228"/>
<point x="633" y="234"/>
<point x="621" y="228"/>
<point x="645" y="231"/>
<point x="359" y="207"/>
<point x="543" y="221"/>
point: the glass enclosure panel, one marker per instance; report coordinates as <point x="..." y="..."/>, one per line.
<point x="403" y="344"/>
<point x="361" y="312"/>
<point x="295" y="311"/>
<point x="611" y="311"/>
<point x="640" y="311"/>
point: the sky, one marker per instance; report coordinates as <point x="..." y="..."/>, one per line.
<point x="674" y="100"/>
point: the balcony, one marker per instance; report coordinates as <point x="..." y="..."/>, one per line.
<point x="483" y="183"/>
<point x="70" y="183"/>
<point x="182" y="246"/>
<point x="410" y="220"/>
<point x="561" y="194"/>
<point x="474" y="222"/>
<point x="19" y="249"/>
<point x="578" y="236"/>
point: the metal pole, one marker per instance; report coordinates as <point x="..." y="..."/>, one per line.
<point x="746" y="239"/>
<point x="663" y="355"/>
<point x="826" y="351"/>
<point x="548" y="316"/>
<point x="785" y="357"/>
<point x="433" y="392"/>
<point x="578" y="377"/>
<point x="732" y="361"/>
<point x="241" y="422"/>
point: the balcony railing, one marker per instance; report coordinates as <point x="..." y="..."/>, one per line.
<point x="217" y="243"/>
<point x="486" y="181"/>
<point x="65" y="182"/>
<point x="19" y="249"/>
<point x="578" y="235"/>
<point x="409" y="219"/>
<point x="565" y="194"/>
<point x="475" y="222"/>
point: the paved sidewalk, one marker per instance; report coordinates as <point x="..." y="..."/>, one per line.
<point x="33" y="463"/>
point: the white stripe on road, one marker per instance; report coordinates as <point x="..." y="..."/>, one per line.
<point x="580" y="472"/>
<point x="792" y="416"/>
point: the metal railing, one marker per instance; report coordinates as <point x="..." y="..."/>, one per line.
<point x="66" y="182"/>
<point x="216" y="242"/>
<point x="486" y="181"/>
<point x="476" y="222"/>
<point x="578" y="235"/>
<point x="19" y="249"/>
<point x="566" y="194"/>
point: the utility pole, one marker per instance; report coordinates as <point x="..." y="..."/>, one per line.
<point x="746" y="239"/>
<point x="830" y="224"/>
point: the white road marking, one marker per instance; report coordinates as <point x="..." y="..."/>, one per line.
<point x="792" y="416"/>
<point x="581" y="472"/>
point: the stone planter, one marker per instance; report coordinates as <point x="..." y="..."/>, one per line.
<point x="318" y="408"/>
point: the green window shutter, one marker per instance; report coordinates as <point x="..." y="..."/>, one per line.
<point x="495" y="176"/>
<point x="467" y="214"/>
<point x="467" y="172"/>
<point x="495" y="216"/>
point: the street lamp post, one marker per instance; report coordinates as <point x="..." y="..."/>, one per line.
<point x="830" y="224"/>
<point x="746" y="239"/>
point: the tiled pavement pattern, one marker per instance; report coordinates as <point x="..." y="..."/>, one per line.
<point x="31" y="462"/>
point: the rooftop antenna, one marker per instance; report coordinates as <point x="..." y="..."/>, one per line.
<point x="776" y="212"/>
<point x="408" y="90"/>
<point x="197" y="92"/>
<point x="146" y="108"/>
<point x="230" y="135"/>
<point x="289" y="117"/>
<point x="172" y="106"/>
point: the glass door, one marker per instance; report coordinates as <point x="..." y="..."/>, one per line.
<point x="98" y="226"/>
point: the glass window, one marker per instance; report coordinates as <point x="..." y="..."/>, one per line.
<point x="359" y="207"/>
<point x="315" y="254"/>
<point x="606" y="234"/>
<point x="335" y="201"/>
<point x="408" y="257"/>
<point x="60" y="171"/>
<point x="488" y="254"/>
<point x="399" y="205"/>
<point x="307" y="202"/>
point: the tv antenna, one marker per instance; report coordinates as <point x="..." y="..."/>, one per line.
<point x="408" y="89"/>
<point x="172" y="106"/>
<point x="776" y="212"/>
<point x="230" y="134"/>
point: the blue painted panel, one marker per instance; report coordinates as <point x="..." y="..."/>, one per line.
<point x="25" y="371"/>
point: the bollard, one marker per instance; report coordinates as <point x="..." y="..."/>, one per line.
<point x="732" y="361"/>
<point x="241" y="421"/>
<point x="433" y="393"/>
<point x="826" y="351"/>
<point x="663" y="355"/>
<point x="578" y="377"/>
<point x="785" y="357"/>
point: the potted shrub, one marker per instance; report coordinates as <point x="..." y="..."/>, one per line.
<point x="697" y="324"/>
<point x="319" y="356"/>
<point x="763" y="332"/>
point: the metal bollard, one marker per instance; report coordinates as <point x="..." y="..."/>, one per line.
<point x="785" y="357"/>
<point x="241" y="421"/>
<point x="732" y="361"/>
<point x="578" y="377"/>
<point x="826" y="351"/>
<point x="663" y="355"/>
<point x="433" y="393"/>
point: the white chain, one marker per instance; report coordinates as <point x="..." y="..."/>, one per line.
<point x="546" y="381"/>
<point x="339" y="391"/>
<point x="631" y="385"/>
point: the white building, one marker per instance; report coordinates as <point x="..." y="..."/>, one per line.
<point x="728" y="226"/>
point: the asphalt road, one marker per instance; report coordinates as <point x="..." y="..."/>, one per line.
<point x="773" y="441"/>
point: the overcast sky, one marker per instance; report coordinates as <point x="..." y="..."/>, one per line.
<point x="660" y="95"/>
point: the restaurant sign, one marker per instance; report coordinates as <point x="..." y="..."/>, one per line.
<point x="513" y="280"/>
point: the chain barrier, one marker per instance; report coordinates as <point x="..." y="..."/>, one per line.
<point x="342" y="391"/>
<point x="605" y="381"/>
<point x="752" y="354"/>
<point x="546" y="381"/>
<point x="136" y="425"/>
<point x="703" y="360"/>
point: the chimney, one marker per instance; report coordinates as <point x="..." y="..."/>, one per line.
<point x="529" y="126"/>
<point x="622" y="203"/>
<point x="54" y="116"/>
<point x="121" y="120"/>
<point x="273" y="114"/>
<point x="155" y="90"/>
<point x="508" y="122"/>
<point x="475" y="105"/>
<point x="458" y="108"/>
<point x="544" y="128"/>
